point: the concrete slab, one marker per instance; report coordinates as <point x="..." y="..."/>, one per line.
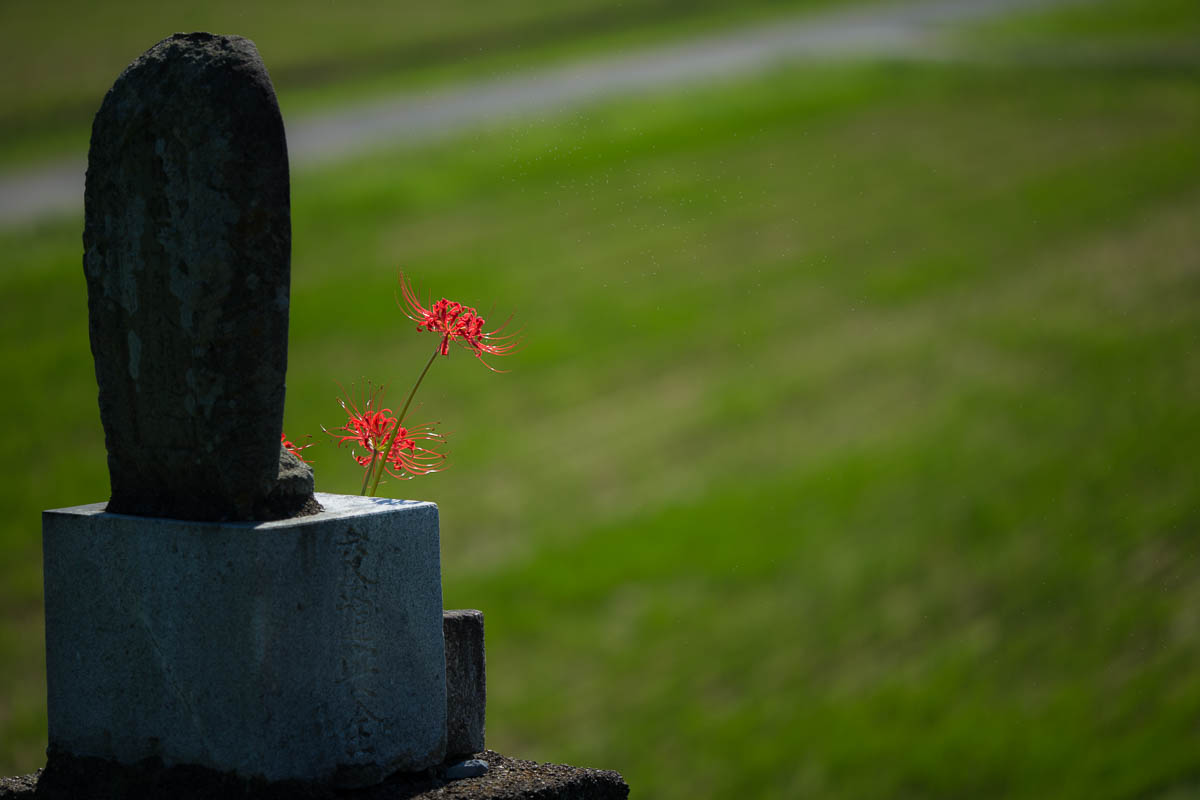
<point x="304" y="649"/>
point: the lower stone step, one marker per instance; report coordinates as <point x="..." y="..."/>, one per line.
<point x="72" y="778"/>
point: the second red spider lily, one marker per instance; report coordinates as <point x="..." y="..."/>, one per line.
<point x="381" y="444"/>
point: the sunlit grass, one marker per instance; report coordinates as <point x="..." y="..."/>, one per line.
<point x="1142" y="34"/>
<point x="1110" y="21"/>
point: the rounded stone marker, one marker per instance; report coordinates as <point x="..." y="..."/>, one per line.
<point x="187" y="250"/>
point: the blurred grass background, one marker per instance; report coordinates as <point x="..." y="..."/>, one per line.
<point x="852" y="452"/>
<point x="60" y="58"/>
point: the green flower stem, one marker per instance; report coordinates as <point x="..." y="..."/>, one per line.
<point x="367" y="476"/>
<point x="387" y="448"/>
<point x="417" y="385"/>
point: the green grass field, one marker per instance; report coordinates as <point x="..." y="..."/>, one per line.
<point x="852" y="451"/>
<point x="61" y="58"/>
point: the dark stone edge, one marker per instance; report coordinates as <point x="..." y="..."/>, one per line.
<point x="70" y="778"/>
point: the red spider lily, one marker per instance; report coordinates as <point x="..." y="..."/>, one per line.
<point x="457" y="322"/>
<point x="293" y="449"/>
<point x="370" y="427"/>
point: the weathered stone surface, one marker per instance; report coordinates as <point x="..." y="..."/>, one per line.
<point x="187" y="247"/>
<point x="471" y="768"/>
<point x="303" y="649"/>
<point x="466" y="681"/>
<point x="72" y="778"/>
<point x="292" y="495"/>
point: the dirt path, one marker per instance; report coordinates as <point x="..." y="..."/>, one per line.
<point x="911" y="30"/>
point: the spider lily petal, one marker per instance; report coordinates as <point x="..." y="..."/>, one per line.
<point x="293" y="449"/>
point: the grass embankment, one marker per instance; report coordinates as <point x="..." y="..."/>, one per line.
<point x="1103" y="22"/>
<point x="1153" y="34"/>
<point x="852" y="452"/>
<point x="61" y="59"/>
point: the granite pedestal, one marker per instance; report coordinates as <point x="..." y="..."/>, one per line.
<point x="307" y="649"/>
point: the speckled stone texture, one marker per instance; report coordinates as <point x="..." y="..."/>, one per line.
<point x="466" y="681"/>
<point x="297" y="649"/>
<point x="187" y="256"/>
<point x="66" y="778"/>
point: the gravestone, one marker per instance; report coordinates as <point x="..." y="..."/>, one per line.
<point x="216" y="624"/>
<point x="187" y="247"/>
<point x="214" y="613"/>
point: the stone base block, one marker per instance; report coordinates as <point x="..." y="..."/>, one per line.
<point x="306" y="649"/>
<point x="466" y="682"/>
<point x="68" y="778"/>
